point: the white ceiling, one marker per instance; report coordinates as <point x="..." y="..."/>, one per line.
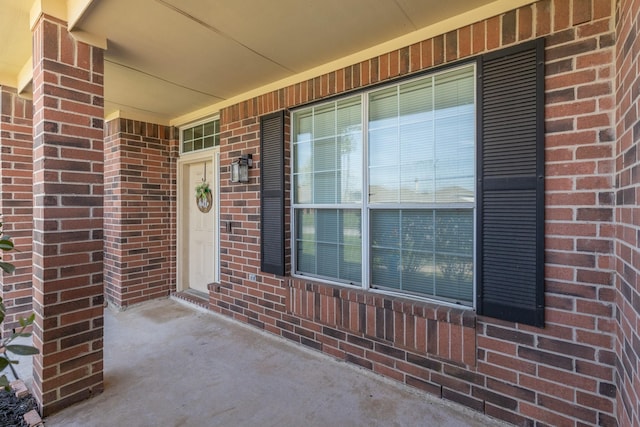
<point x="15" y="38"/>
<point x="167" y="58"/>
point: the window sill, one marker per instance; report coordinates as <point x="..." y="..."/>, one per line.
<point x="449" y="313"/>
<point x="356" y="320"/>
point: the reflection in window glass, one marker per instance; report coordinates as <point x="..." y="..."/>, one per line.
<point x="427" y="252"/>
<point x="327" y="149"/>
<point x="329" y="243"/>
<point x="426" y="129"/>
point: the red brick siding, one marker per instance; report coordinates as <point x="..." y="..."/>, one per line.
<point x="627" y="214"/>
<point x="68" y="214"/>
<point x="140" y="211"/>
<point x="560" y="375"/>
<point x="16" y="203"/>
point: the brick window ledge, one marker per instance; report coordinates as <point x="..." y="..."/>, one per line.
<point x="425" y="328"/>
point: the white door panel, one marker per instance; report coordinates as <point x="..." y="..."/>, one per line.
<point x="199" y="239"/>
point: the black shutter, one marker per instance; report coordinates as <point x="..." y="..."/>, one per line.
<point x="272" y="193"/>
<point x="511" y="184"/>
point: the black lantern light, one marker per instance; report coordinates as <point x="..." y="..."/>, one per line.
<point x="240" y="168"/>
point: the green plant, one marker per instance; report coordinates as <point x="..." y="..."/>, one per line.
<point x="6" y="245"/>
<point x="6" y="346"/>
<point x="202" y="190"/>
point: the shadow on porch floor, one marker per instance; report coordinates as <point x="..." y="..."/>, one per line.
<point x="171" y="364"/>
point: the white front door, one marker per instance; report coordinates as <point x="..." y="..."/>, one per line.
<point x="198" y="257"/>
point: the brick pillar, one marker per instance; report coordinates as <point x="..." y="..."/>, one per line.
<point x="140" y="211"/>
<point x="627" y="220"/>
<point x="16" y="203"/>
<point x="68" y="214"/>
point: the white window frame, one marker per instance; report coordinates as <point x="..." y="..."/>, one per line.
<point x="365" y="205"/>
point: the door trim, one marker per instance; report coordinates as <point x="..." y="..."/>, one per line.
<point x="185" y="196"/>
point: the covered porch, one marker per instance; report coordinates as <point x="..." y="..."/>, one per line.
<point x="170" y="363"/>
<point x="96" y="98"/>
<point x="111" y="113"/>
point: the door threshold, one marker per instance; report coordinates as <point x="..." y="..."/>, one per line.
<point x="198" y="298"/>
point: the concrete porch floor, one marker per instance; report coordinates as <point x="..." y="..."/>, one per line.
<point x="171" y="364"/>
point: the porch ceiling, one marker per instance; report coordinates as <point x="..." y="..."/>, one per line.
<point x="168" y="58"/>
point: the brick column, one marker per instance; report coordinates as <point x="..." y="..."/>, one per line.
<point x="16" y="202"/>
<point x="140" y="211"/>
<point x="627" y="219"/>
<point x="68" y="216"/>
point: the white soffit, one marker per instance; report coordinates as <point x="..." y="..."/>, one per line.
<point x="15" y="39"/>
<point x="136" y="94"/>
<point x="460" y="14"/>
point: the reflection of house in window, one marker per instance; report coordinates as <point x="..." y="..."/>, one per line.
<point x="448" y="194"/>
<point x="455" y="194"/>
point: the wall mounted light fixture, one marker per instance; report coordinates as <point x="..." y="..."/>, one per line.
<point x="240" y="168"/>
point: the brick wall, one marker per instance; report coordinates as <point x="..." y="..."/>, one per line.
<point x="627" y="214"/>
<point x="16" y="203"/>
<point x="560" y="375"/>
<point x="140" y="211"/>
<point x="68" y="153"/>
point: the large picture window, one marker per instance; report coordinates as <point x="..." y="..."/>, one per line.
<point x="384" y="188"/>
<point x="431" y="187"/>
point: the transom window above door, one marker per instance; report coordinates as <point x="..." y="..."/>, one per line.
<point x="200" y="136"/>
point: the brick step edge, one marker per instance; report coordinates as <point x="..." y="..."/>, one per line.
<point x="33" y="418"/>
<point x="19" y="388"/>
